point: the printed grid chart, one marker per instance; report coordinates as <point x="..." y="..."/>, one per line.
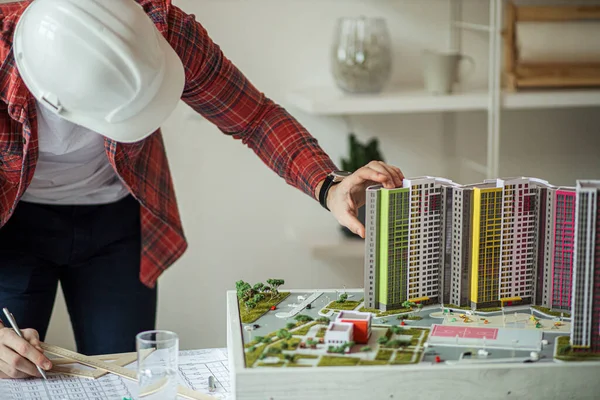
<point x="108" y="387"/>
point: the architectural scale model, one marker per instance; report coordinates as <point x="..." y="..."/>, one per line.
<point x="503" y="242"/>
<point x="494" y="285"/>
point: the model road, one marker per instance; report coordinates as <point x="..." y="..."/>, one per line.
<point x="300" y="307"/>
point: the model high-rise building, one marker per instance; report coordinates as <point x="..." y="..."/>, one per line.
<point x="405" y="243"/>
<point x="545" y="245"/>
<point x="372" y="247"/>
<point x="500" y="242"/>
<point x="485" y="245"/>
<point x="504" y="242"/>
<point x="460" y="220"/>
<point x="585" y="327"/>
<point x="425" y="238"/>
<point x="387" y="219"/>
<point x="563" y="247"/>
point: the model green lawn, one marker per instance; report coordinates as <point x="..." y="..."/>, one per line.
<point x="251" y="315"/>
<point x="394" y="345"/>
<point x="564" y="351"/>
<point x="347" y="305"/>
<point x="552" y="313"/>
<point x="258" y="299"/>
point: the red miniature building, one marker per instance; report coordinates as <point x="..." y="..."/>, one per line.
<point x="361" y="322"/>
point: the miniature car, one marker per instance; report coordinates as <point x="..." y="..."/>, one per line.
<point x="273" y="308"/>
<point x="256" y="326"/>
<point x="308" y="306"/>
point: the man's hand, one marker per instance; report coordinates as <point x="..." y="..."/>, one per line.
<point x="18" y="357"/>
<point x="345" y="198"/>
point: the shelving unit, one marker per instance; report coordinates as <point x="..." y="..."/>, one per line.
<point x="330" y="101"/>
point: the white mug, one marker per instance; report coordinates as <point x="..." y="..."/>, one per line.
<point x="440" y="70"/>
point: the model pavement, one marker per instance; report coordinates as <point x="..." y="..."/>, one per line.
<point x="495" y="285"/>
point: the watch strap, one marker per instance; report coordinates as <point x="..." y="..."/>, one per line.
<point x="327" y="184"/>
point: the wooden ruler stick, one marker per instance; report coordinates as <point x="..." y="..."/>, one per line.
<point x="117" y="370"/>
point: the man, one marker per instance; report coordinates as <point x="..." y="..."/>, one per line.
<point x="86" y="196"/>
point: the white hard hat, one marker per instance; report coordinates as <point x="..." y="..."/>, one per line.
<point x="101" y="64"/>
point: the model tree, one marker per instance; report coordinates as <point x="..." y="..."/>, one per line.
<point x="243" y="289"/>
<point x="395" y="329"/>
<point x="275" y="283"/>
<point x="283" y="334"/>
<point x="250" y="304"/>
<point x="365" y="349"/>
<point x="258" y="287"/>
<point x="303" y="318"/>
<point x="246" y="292"/>
<point x="267" y="289"/>
<point x="343" y="298"/>
<point x="273" y="350"/>
<point x="258" y="297"/>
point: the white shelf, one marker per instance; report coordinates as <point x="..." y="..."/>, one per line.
<point x="332" y="101"/>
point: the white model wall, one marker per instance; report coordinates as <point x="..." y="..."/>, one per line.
<point x="243" y="222"/>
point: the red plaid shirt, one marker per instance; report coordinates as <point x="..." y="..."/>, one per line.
<point x="215" y="88"/>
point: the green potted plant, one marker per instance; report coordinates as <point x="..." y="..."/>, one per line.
<point x="360" y="155"/>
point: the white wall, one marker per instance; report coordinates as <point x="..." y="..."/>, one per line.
<point x="243" y="222"/>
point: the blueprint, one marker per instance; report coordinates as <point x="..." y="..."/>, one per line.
<point x="195" y="368"/>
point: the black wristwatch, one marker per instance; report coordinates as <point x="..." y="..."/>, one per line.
<point x="332" y="179"/>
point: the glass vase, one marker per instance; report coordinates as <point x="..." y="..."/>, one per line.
<point x="361" y="59"/>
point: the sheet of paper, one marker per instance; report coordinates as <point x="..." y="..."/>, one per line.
<point x="195" y="368"/>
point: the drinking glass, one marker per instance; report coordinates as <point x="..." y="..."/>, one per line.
<point x="361" y="58"/>
<point x="157" y="353"/>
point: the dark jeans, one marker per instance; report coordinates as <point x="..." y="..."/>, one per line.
<point x="94" y="252"/>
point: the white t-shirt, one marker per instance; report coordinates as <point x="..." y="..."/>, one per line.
<point x="72" y="166"/>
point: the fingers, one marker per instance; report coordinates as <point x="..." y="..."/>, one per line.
<point x="377" y="171"/>
<point x="14" y="365"/>
<point x="366" y="174"/>
<point x="351" y="222"/>
<point x="386" y="169"/>
<point x="32" y="336"/>
<point x="398" y="172"/>
<point x="8" y="372"/>
<point x="20" y="354"/>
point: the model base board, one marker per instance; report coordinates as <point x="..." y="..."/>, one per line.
<point x="423" y="353"/>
